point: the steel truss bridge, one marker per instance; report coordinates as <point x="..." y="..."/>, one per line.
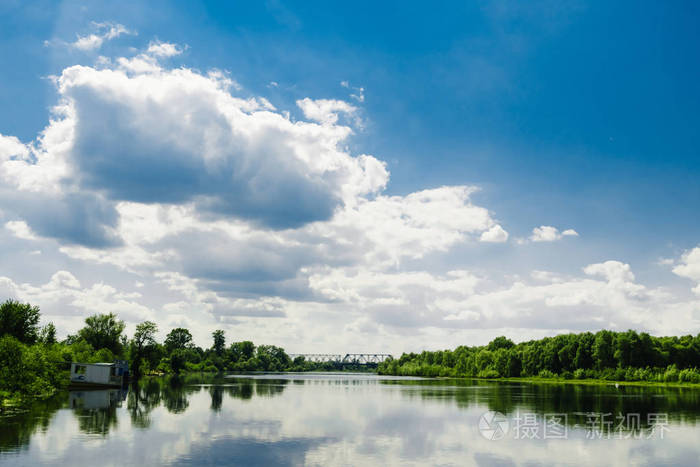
<point x="347" y="359"/>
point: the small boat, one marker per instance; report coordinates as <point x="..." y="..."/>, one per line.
<point x="98" y="375"/>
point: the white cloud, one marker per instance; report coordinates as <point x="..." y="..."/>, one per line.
<point x="230" y="214"/>
<point x="11" y="147"/>
<point x="325" y="111"/>
<point x="163" y="49"/>
<point x="495" y="234"/>
<point x="65" y="301"/>
<point x="188" y="179"/>
<point x="20" y="229"/>
<point x="547" y="233"/>
<point x="389" y="228"/>
<point x="358" y="94"/>
<point x="689" y="267"/>
<point x="103" y="32"/>
<point x="460" y="299"/>
<point x="177" y="136"/>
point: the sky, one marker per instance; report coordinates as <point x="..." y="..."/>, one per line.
<point x="359" y="177"/>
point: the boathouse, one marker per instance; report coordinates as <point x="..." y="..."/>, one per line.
<point x="99" y="374"/>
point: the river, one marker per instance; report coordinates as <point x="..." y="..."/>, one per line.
<point x="356" y="419"/>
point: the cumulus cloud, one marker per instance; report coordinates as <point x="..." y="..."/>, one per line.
<point x="12" y="148"/>
<point x="103" y="32"/>
<point x="66" y="302"/>
<point x="20" y="229"/>
<point x="608" y="298"/>
<point x="495" y="234"/>
<point x="232" y="214"/>
<point x="163" y="49"/>
<point x="389" y="228"/>
<point x="547" y="233"/>
<point x="231" y="204"/>
<point x="325" y="111"/>
<point x="141" y="133"/>
<point x="689" y="267"/>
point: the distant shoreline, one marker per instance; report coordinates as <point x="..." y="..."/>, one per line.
<point x="588" y="382"/>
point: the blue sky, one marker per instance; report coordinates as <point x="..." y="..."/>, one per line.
<point x="572" y="115"/>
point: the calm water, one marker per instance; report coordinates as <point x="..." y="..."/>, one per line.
<point x="356" y="419"/>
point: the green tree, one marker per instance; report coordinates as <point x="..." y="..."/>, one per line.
<point x="103" y="331"/>
<point x="47" y="334"/>
<point x="178" y="338"/>
<point x="145" y="335"/>
<point x="500" y="361"/>
<point x="501" y="342"/>
<point x="272" y="358"/>
<point x="142" y="344"/>
<point x="484" y="359"/>
<point x="178" y="359"/>
<point x="603" y="350"/>
<point x="241" y="351"/>
<point x="19" y="320"/>
<point x="531" y="363"/>
<point x="219" y="342"/>
<point x="584" y="351"/>
<point x="624" y="344"/>
<point x="12" y="374"/>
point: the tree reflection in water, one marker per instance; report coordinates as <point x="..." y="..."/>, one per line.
<point x="16" y="429"/>
<point x="96" y="410"/>
<point x="294" y="415"/>
<point x="575" y="400"/>
<point x="143" y="397"/>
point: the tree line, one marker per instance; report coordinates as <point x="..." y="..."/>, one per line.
<point x="35" y="364"/>
<point x="607" y="355"/>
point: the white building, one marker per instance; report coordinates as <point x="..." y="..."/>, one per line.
<point x="98" y="374"/>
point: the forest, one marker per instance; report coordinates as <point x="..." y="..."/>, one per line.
<point x="605" y="355"/>
<point x="34" y="363"/>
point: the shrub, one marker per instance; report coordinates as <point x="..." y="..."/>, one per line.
<point x="12" y="376"/>
<point x="689" y="375"/>
<point x="671" y="374"/>
<point x="27" y="370"/>
<point x="546" y="374"/>
<point x="489" y="373"/>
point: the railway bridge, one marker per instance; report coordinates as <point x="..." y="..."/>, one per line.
<point x="347" y="359"/>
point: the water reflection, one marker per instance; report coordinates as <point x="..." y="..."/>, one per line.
<point x="329" y="419"/>
<point x="96" y="410"/>
<point x="16" y="430"/>
<point x="548" y="398"/>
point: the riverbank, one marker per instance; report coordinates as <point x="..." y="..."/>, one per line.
<point x="587" y="382"/>
<point x="531" y="380"/>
